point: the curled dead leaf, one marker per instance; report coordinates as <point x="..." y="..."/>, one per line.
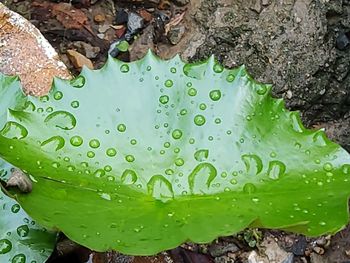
<point x="26" y="53"/>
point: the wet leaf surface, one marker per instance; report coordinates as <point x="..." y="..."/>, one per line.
<point x="140" y="157"/>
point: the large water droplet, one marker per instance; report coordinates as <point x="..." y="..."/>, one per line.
<point x="199" y="120"/>
<point x="129" y="177"/>
<point x="201" y="177"/>
<point x="78" y="82"/>
<point x="252" y="163"/>
<point x="61" y="119"/>
<point x="19" y="258"/>
<point x="201" y="155"/>
<point x="160" y="188"/>
<point x="215" y="95"/>
<point x="14" y="130"/>
<point x="23" y="231"/>
<point x="5" y="246"/>
<point x="276" y="170"/>
<point x="76" y="140"/>
<point x="54" y="143"/>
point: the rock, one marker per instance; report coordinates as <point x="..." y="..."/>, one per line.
<point x="256" y="6"/>
<point x="141" y="45"/>
<point x="122" y="17"/>
<point x="342" y="41"/>
<point x="175" y="34"/>
<point x="99" y="18"/>
<point x="219" y="249"/>
<point x="299" y="246"/>
<point x="79" y="60"/>
<point x="180" y="2"/>
<point x="135" y="23"/>
<point x="86" y="49"/>
<point x="265" y="2"/>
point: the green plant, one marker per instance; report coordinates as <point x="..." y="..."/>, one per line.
<point x="142" y="156"/>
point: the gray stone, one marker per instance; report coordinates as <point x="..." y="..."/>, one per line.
<point x="175" y="34"/>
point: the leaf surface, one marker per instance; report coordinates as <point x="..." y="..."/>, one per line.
<point x="143" y="156"/>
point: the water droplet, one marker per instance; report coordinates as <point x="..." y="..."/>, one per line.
<point x="248" y="118"/>
<point x="78" y="82"/>
<point x="49" y="109"/>
<point x="111" y="152"/>
<point x="23" y="230"/>
<point x="148" y="68"/>
<point x="44" y="98"/>
<point x="19" y="258"/>
<point x="218" y="68"/>
<point x="75" y="104"/>
<point x="328" y="167"/>
<point x="191" y="141"/>
<point x="276" y="170"/>
<point x="90" y="154"/>
<point x="121" y="127"/>
<point x="296" y="122"/>
<point x="230" y="78"/>
<point x="40" y="110"/>
<point x="76" y="140"/>
<point x="249" y="188"/>
<point x="55" y="165"/>
<point x="252" y="163"/>
<point x="201" y="177"/>
<point x="5" y="246"/>
<point x="183" y="112"/>
<point x="173" y="70"/>
<point x="179" y="162"/>
<point x="168" y="83"/>
<point x="199" y="120"/>
<point x="201" y="155"/>
<point x="58" y="95"/>
<point x="177" y="134"/>
<point x="202" y="106"/>
<point x="14" y="130"/>
<point x="346" y="168"/>
<point x="70" y="168"/>
<point x="166" y="145"/>
<point x="61" y="119"/>
<point x="107" y="168"/>
<point x="129" y="177"/>
<point x="273" y="154"/>
<point x="217" y="120"/>
<point x="169" y="171"/>
<point x="29" y="106"/>
<point x="94" y="143"/>
<point x="215" y="95"/>
<point x="164" y="99"/>
<point x="160" y="188"/>
<point x="261" y="90"/>
<point x="192" y="92"/>
<point x="322" y="223"/>
<point x="15" y="208"/>
<point x="233" y="181"/>
<point x="124" y="68"/>
<point x="54" y="143"/>
<point x="130" y="158"/>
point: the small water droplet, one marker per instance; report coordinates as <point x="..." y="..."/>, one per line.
<point x="15" y="208"/>
<point x="121" y="127"/>
<point x="217" y="120"/>
<point x="249" y="188"/>
<point x="78" y="82"/>
<point x="215" y="95"/>
<point x="111" y="152"/>
<point x="75" y="104"/>
<point x="107" y="168"/>
<point x="191" y="141"/>
<point x="218" y="68"/>
<point x="76" y="140"/>
<point x="90" y="154"/>
<point x="169" y="171"/>
<point x="168" y="83"/>
<point x="230" y="78"/>
<point x="183" y="112"/>
<point x="177" y="134"/>
<point x="166" y="145"/>
<point x="173" y="70"/>
<point x="5" y="246"/>
<point x="192" y="92"/>
<point x="261" y="90"/>
<point x="23" y="231"/>
<point x="164" y="99"/>
<point x="124" y="68"/>
<point x="130" y="158"/>
<point x="199" y="120"/>
<point x="328" y="167"/>
<point x="179" y="162"/>
<point x="202" y="106"/>
<point x="94" y="143"/>
<point x="58" y="95"/>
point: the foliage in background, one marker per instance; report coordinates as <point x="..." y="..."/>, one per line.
<point x="140" y="157"/>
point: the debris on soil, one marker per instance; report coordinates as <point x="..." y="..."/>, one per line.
<point x="79" y="60"/>
<point x="343" y="41"/>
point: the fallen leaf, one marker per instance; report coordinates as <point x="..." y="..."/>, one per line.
<point x="174" y="21"/>
<point x="26" y="53"/>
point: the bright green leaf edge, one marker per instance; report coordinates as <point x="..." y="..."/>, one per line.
<point x="240" y="160"/>
<point x="21" y="238"/>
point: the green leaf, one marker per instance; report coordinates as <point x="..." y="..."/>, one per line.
<point x="143" y="156"/>
<point x="21" y="238"/>
<point x="123" y="46"/>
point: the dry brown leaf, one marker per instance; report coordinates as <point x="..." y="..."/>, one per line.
<point x="26" y="53"/>
<point x="79" y="60"/>
<point x="174" y="21"/>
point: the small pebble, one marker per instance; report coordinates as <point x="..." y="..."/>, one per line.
<point x="342" y="41"/>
